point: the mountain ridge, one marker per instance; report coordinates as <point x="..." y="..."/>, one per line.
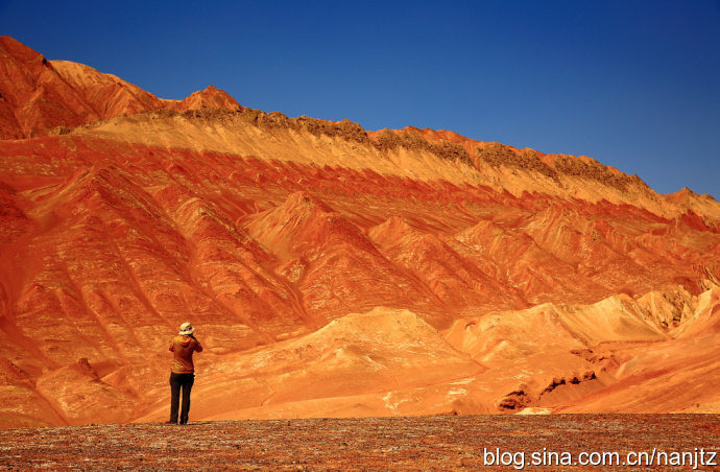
<point x="43" y="97"/>
<point x="541" y="172"/>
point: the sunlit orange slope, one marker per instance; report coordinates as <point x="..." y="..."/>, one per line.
<point x="329" y="270"/>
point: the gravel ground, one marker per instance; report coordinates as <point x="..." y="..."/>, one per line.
<point x="407" y="443"/>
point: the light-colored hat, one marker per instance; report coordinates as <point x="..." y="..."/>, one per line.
<point x="186" y="328"/>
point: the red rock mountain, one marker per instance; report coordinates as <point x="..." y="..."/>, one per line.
<point x="330" y="271"/>
<point x="41" y="97"/>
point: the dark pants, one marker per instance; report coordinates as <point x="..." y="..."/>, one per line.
<point x="178" y="382"/>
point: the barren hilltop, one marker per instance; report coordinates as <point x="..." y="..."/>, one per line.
<point x="330" y="270"/>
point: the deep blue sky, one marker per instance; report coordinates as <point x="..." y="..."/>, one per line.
<point x="632" y="83"/>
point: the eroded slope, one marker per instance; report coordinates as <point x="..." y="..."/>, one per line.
<point x="329" y="270"/>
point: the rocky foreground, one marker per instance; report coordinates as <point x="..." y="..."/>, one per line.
<point x="405" y="443"/>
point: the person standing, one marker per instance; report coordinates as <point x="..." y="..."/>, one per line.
<point x="182" y="373"/>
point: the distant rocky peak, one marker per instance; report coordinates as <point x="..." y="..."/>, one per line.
<point x="211" y="97"/>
